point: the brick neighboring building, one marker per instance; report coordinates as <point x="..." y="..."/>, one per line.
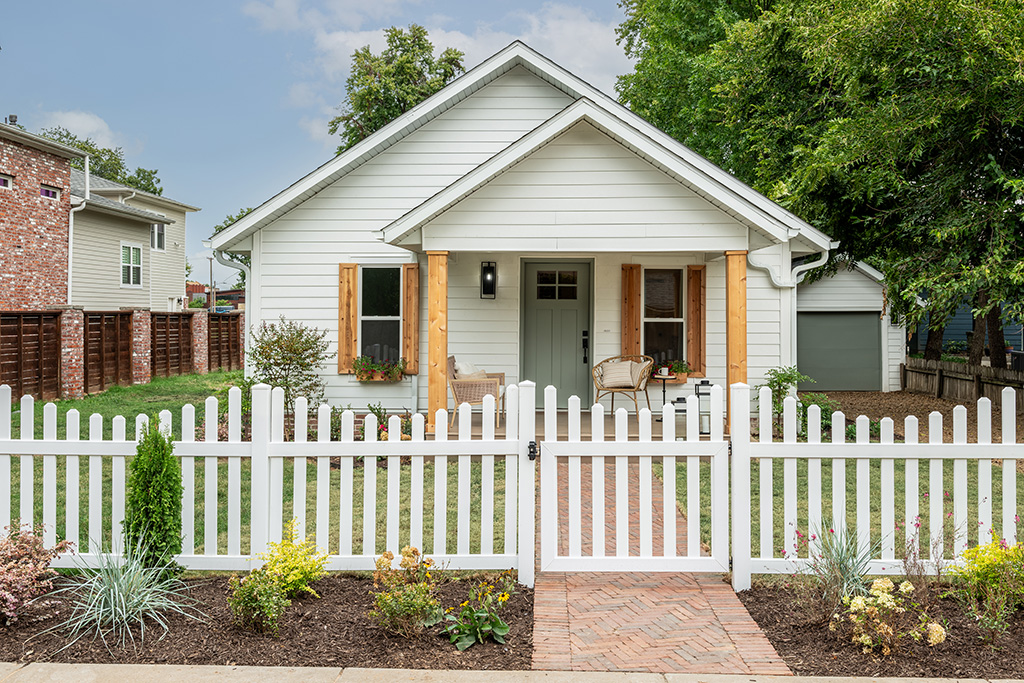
<point x="35" y="201"/>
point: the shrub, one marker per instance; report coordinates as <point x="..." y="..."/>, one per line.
<point x="118" y="598"/>
<point x="289" y="355"/>
<point x="258" y="601"/>
<point x="990" y="584"/>
<point x="405" y="602"/>
<point x="296" y="563"/>
<point x="478" y="616"/>
<point x="879" y="620"/>
<point x="827" y="406"/>
<point x="153" y="500"/>
<point x="25" y="567"/>
<point x="781" y="381"/>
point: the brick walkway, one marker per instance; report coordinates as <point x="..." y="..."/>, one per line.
<point x="648" y="622"/>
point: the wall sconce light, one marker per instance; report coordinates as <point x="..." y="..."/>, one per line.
<point x="488" y="279"/>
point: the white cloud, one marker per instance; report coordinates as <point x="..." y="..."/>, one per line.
<point x="292" y="15"/>
<point x="83" y="124"/>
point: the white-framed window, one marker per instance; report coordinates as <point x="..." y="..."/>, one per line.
<point x="50" y="192"/>
<point x="664" y="321"/>
<point x="6" y="181"/>
<point x="380" y="312"/>
<point x="157" y="236"/>
<point x="131" y="265"/>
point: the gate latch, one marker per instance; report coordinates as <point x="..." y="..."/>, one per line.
<point x="532" y="450"/>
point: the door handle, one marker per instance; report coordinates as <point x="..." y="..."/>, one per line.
<point x="586" y="346"/>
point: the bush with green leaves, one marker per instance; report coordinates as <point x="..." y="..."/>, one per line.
<point x="258" y="601"/>
<point x="295" y="562"/>
<point x="122" y="597"/>
<point x="782" y="381"/>
<point x="153" y="500"/>
<point x="404" y="599"/>
<point x="290" y="355"/>
<point x="990" y="584"/>
<point x="477" y="618"/>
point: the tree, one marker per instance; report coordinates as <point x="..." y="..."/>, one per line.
<point x="106" y="162"/>
<point x="892" y="125"/>
<point x="241" y="259"/>
<point x="380" y="88"/>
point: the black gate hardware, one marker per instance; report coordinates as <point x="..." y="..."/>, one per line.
<point x="532" y="450"/>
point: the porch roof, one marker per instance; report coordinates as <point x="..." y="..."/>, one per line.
<point x="709" y="182"/>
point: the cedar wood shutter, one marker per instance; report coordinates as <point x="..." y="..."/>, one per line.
<point x="348" y="316"/>
<point x="696" y="314"/>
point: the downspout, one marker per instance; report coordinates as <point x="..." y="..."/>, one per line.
<point x="248" y="283"/>
<point x="71" y="226"/>
<point x="796" y="275"/>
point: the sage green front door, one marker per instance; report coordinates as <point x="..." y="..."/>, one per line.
<point x="556" y="328"/>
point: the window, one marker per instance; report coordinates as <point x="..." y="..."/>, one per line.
<point x="557" y="284"/>
<point x="378" y="314"/>
<point x="157" y="236"/>
<point x="49" y="191"/>
<point x="131" y="265"/>
<point x="663" y="316"/>
<point x="6" y="182"/>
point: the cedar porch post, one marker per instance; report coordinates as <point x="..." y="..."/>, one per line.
<point x="437" y="335"/>
<point x="736" y="319"/>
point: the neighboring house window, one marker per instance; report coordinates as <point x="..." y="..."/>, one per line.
<point x="663" y="316"/>
<point x="6" y="181"/>
<point x="378" y="314"/>
<point x="131" y="265"/>
<point x="157" y="236"/>
<point x="49" y="192"/>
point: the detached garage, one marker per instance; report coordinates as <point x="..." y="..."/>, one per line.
<point x="844" y="340"/>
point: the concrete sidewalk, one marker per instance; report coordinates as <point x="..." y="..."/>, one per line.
<point x="146" y="673"/>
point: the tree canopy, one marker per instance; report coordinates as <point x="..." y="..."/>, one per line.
<point x="241" y="259"/>
<point x="106" y="162"/>
<point x="895" y="126"/>
<point x="380" y="88"/>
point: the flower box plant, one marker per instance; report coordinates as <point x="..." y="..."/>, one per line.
<point x="366" y="369"/>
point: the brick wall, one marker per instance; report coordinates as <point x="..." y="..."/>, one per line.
<point x="72" y="353"/>
<point x="200" y="342"/>
<point x="142" y="341"/>
<point x="33" y="229"/>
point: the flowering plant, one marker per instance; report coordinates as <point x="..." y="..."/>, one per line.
<point x="478" y="615"/>
<point x="405" y="602"/>
<point x="883" y="617"/>
<point x="25" y="567"/>
<point x="990" y="584"/>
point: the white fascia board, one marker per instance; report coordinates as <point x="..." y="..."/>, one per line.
<point x="710" y="187"/>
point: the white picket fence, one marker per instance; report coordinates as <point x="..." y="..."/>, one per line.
<point x="952" y="525"/>
<point x="573" y="479"/>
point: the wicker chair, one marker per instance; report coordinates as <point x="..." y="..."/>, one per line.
<point x="472" y="391"/>
<point x="639" y="380"/>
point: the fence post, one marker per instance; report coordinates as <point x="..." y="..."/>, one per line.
<point x="200" y="323"/>
<point x="739" y="405"/>
<point x="260" y="516"/>
<point x="142" y="345"/>
<point x="527" y="483"/>
<point x="72" y="352"/>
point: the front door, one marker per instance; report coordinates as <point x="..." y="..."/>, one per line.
<point x="556" y="328"/>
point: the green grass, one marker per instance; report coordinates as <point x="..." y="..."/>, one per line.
<point x="163" y="393"/>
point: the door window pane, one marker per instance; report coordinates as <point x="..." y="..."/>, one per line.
<point x="567" y="277"/>
<point x="566" y="292"/>
<point x="545" y="277"/>
<point x="546" y="292"/>
<point x="663" y="293"/>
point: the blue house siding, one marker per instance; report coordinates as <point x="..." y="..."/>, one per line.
<point x="962" y="323"/>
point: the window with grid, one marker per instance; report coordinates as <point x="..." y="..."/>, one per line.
<point x="131" y="265"/>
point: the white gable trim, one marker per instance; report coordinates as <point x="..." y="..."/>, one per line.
<point x="710" y="188"/>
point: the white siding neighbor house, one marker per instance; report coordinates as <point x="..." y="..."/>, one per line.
<point x="600" y="235"/>
<point x="127" y="247"/>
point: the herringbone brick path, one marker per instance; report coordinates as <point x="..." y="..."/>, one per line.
<point x="650" y="622"/>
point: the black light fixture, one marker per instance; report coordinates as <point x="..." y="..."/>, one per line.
<point x="488" y="280"/>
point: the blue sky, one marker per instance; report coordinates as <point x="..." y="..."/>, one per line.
<point x="230" y="99"/>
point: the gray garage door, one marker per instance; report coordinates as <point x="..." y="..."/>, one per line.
<point x="842" y="351"/>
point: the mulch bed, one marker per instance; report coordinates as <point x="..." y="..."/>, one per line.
<point x="809" y="649"/>
<point x="333" y="631"/>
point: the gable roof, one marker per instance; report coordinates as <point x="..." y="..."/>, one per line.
<point x="101" y="185"/>
<point x="597" y="103"/>
<point x="39" y="142"/>
<point x="104" y="205"/>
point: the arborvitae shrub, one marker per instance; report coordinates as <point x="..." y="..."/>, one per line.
<point x="153" y="502"/>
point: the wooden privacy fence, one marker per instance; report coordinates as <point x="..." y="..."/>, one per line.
<point x="30" y="353"/>
<point x="898" y="498"/>
<point x="171" y="344"/>
<point x="107" y="357"/>
<point x="957" y="381"/>
<point x="225" y="341"/>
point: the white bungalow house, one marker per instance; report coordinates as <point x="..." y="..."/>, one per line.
<point x="605" y="236"/>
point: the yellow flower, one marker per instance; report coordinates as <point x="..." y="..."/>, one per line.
<point x="858" y="604"/>
<point x="906" y="588"/>
<point x="881" y="586"/>
<point x="464" y="604"/>
<point x="936" y="634"/>
<point x="503" y="597"/>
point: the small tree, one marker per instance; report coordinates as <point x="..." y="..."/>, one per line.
<point x="288" y="354"/>
<point x="153" y="501"/>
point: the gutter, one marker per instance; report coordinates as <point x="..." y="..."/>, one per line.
<point x="248" y="283"/>
<point x="71" y="227"/>
<point x="796" y="276"/>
